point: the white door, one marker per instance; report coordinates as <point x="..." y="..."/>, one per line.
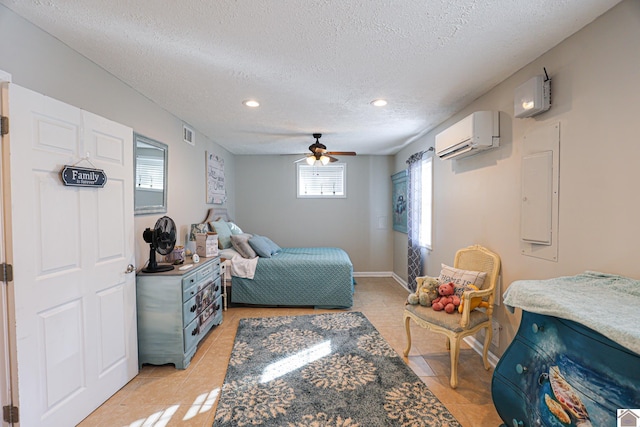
<point x="75" y="321"/>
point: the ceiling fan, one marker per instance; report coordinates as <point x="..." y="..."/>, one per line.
<point x="319" y="153"/>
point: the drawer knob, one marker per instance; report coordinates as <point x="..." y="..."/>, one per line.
<point x="517" y="423"/>
<point x="194" y="332"/>
<point x="193" y="308"/>
<point x="537" y="328"/>
<point x="521" y="369"/>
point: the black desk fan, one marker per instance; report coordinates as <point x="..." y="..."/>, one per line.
<point x="162" y="239"/>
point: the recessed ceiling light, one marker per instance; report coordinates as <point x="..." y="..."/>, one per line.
<point x="251" y="103"/>
<point x="379" y="102"/>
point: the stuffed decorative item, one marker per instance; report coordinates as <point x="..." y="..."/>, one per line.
<point x="447" y="300"/>
<point x="475" y="302"/>
<point x="426" y="292"/>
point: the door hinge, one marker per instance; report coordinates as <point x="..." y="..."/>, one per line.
<point x="6" y="272"/>
<point x="10" y="414"/>
<point x="4" y="125"/>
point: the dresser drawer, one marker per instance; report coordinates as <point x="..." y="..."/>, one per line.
<point x="189" y="286"/>
<point x="206" y="272"/>
<point x="195" y="305"/>
<point x="522" y="366"/>
<point x="192" y="334"/>
<point x="512" y="405"/>
<point x="217" y="288"/>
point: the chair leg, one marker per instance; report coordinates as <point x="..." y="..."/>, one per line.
<point x="487" y="341"/>
<point x="407" y="327"/>
<point x="455" y="354"/>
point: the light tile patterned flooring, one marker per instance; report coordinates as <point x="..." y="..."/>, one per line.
<point x="164" y="396"/>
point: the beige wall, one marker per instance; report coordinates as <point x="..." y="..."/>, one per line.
<point x="266" y="203"/>
<point x="40" y="62"/>
<point x="595" y="97"/>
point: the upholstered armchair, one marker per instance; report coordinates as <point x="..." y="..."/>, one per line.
<point x="456" y="326"/>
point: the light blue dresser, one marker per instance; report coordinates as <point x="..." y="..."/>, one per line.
<point x="176" y="309"/>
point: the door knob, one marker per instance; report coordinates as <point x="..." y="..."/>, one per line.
<point x="130" y="269"/>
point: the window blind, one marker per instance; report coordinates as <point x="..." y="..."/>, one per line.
<point x="321" y="181"/>
<point x="149" y="173"/>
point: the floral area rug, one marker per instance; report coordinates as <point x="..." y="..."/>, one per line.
<point x="322" y="370"/>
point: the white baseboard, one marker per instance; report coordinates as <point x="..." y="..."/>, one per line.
<point x="477" y="346"/>
<point x="372" y="273"/>
<point x="391" y="274"/>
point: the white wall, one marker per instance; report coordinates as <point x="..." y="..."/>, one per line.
<point x="266" y="203"/>
<point x="595" y="97"/>
<point x="40" y="62"/>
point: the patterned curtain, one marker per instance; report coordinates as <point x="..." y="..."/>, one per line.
<point x="414" y="191"/>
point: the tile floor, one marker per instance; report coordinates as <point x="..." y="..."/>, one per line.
<point x="163" y="396"/>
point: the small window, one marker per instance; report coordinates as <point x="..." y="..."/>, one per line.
<point x="322" y="181"/>
<point x="149" y="167"/>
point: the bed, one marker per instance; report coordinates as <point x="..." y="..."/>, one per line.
<point x="321" y="277"/>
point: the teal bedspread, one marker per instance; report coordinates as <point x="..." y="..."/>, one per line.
<point x="607" y="303"/>
<point x="319" y="277"/>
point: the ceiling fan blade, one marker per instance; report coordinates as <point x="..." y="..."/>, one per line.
<point x="340" y="153"/>
<point x="332" y="159"/>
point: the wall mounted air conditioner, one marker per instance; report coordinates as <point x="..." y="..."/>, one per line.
<point x="477" y="132"/>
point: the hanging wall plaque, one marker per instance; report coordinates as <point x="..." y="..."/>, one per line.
<point x="75" y="176"/>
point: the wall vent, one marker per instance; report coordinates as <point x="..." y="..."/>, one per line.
<point x="188" y="135"/>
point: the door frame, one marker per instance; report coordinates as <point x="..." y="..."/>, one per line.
<point x="8" y="368"/>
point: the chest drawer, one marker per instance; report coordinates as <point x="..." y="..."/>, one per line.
<point x="521" y="365"/>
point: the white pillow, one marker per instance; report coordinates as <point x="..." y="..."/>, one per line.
<point x="461" y="278"/>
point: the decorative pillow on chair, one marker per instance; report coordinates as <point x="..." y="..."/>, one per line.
<point x="224" y="233"/>
<point x="240" y="243"/>
<point x="260" y="246"/>
<point x="461" y="278"/>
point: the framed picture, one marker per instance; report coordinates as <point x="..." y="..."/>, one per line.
<point x="399" y="201"/>
<point x="216" y="192"/>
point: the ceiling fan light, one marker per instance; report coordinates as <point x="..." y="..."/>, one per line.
<point x="324" y="160"/>
<point x="311" y="160"/>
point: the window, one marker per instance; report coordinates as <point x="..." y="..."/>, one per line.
<point x="150" y="172"/>
<point x="322" y="181"/>
<point x="426" y="208"/>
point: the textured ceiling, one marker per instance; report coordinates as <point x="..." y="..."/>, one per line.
<point x="314" y="65"/>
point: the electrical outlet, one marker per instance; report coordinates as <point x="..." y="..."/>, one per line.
<point x="495" y="337"/>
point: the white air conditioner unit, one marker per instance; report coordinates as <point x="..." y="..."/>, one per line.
<point x="476" y="132"/>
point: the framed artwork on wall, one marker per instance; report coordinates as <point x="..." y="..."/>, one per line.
<point x="216" y="192"/>
<point x="399" y="201"/>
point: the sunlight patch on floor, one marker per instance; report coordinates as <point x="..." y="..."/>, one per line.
<point x="159" y="419"/>
<point x="202" y="404"/>
<point x="298" y="360"/>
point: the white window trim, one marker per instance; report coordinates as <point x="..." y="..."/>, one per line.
<point x="428" y="200"/>
<point x="301" y="166"/>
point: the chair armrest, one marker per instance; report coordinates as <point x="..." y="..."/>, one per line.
<point x="467" y="296"/>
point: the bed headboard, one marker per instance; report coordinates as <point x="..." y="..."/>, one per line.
<point x="216" y="214"/>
